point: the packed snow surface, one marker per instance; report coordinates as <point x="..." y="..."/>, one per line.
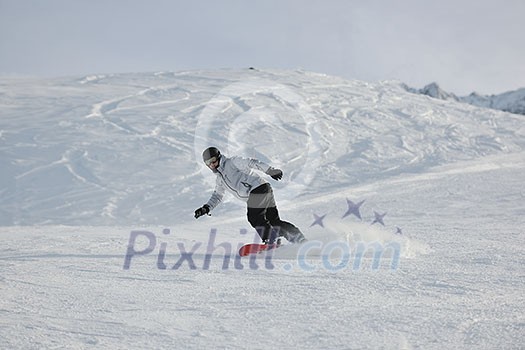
<point x="414" y="209"/>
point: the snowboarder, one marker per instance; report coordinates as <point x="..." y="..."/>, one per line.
<point x="236" y="175"/>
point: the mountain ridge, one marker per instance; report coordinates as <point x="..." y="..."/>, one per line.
<point x="510" y="101"/>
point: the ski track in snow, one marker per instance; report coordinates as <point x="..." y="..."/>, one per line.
<point x="86" y="161"/>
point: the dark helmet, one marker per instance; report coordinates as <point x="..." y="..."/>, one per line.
<point x="209" y="153"/>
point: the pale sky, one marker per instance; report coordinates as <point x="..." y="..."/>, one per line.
<point x="465" y="46"/>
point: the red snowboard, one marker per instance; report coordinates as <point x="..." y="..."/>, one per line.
<point x="255" y="248"/>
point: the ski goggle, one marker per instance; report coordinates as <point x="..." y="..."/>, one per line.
<point x="210" y="161"/>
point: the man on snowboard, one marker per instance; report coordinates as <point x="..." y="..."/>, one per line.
<point x="235" y="174"/>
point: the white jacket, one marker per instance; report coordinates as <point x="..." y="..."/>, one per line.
<point x="235" y="174"/>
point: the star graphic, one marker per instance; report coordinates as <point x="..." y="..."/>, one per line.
<point x="378" y="218"/>
<point x="353" y="208"/>
<point x="318" y="220"/>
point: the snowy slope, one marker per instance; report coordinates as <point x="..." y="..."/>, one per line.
<point x="89" y="163"/>
<point x="511" y="101"/>
<point x="125" y="149"/>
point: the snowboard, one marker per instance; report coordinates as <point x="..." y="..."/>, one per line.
<point x="255" y="248"/>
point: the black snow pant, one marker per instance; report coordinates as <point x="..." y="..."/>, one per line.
<point x="264" y="217"/>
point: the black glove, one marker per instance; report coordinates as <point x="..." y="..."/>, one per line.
<point x="276" y="174"/>
<point x="205" y="209"/>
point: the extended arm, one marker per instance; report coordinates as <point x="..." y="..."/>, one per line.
<point x="245" y="163"/>
<point x="214" y="200"/>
